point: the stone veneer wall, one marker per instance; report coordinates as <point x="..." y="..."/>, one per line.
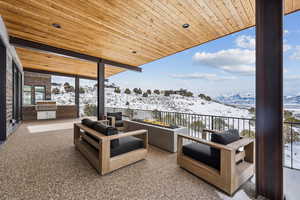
<point x="38" y="79"/>
<point x="11" y="56"/>
<point x="9" y="94"/>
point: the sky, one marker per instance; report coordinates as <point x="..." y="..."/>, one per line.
<point x="221" y="67"/>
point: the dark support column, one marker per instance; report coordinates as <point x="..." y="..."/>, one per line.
<point x="3" y="129"/>
<point x="77" y="95"/>
<point x="100" y="90"/>
<point x="269" y="136"/>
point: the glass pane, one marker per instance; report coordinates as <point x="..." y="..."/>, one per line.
<point x="27" y="95"/>
<point x="63" y="90"/>
<point x="88" y="97"/>
<point x="39" y="93"/>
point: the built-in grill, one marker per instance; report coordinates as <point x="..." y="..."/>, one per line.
<point x="46" y="109"/>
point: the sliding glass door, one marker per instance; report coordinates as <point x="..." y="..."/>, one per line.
<point x="17" y="93"/>
<point x="2" y="92"/>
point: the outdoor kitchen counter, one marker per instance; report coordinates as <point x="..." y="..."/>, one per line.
<point x="62" y="112"/>
<point x="162" y="137"/>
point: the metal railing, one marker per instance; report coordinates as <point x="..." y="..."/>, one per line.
<point x="291" y="134"/>
<point x="197" y="122"/>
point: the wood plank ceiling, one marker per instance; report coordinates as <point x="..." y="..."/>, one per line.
<point x="133" y="32"/>
<point x="42" y="61"/>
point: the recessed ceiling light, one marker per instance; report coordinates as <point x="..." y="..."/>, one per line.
<point x="134" y="52"/>
<point x="55" y="25"/>
<point x="185" y="25"/>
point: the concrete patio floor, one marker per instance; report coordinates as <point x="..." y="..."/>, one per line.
<point x="39" y="161"/>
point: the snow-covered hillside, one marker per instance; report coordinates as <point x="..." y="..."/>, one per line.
<point x="174" y="103"/>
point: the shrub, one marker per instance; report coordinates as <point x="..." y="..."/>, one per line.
<point x="117" y="90"/>
<point x="156" y="91"/>
<point x="252" y="110"/>
<point x="137" y="91"/>
<point x="203" y="96"/>
<point x="219" y="124"/>
<point x="197" y="125"/>
<point x="145" y="94"/>
<point x="90" y="110"/>
<point x="127" y="91"/>
<point x="167" y="93"/>
<point x="68" y="87"/>
<point x="127" y="103"/>
<point x="156" y="114"/>
<point x="81" y="90"/>
<point x="248" y="133"/>
<point x="290" y="135"/>
<point x="188" y="94"/>
<point x="55" y="91"/>
<point x="149" y="91"/>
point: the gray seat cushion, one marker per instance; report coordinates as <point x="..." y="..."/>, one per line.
<point x="203" y="153"/>
<point x="126" y="144"/>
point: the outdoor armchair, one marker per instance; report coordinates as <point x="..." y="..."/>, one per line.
<point x="106" y="149"/>
<point x="223" y="165"/>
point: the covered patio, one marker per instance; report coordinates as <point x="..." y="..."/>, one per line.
<point x="40" y="162"/>
<point x="98" y="39"/>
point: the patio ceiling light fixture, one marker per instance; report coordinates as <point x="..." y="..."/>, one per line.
<point x="55" y="25"/>
<point x="185" y="25"/>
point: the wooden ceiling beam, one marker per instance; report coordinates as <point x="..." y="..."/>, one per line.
<point x="59" y="74"/>
<point x="19" y="42"/>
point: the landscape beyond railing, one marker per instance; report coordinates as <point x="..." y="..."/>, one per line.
<point x="197" y="122"/>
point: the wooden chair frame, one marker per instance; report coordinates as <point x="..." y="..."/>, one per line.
<point x="102" y="161"/>
<point x="113" y="123"/>
<point x="235" y="168"/>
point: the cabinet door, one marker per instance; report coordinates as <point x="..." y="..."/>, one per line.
<point x="42" y="115"/>
<point x="51" y="114"/>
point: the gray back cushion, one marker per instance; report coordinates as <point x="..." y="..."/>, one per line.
<point x="117" y="115"/>
<point x="225" y="137"/>
<point x="102" y="128"/>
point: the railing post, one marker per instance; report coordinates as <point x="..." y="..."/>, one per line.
<point x="77" y="96"/>
<point x="100" y="90"/>
<point x="212" y="122"/>
<point x="292" y="138"/>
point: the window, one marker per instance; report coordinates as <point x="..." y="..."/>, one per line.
<point x="63" y="90"/>
<point x="27" y="95"/>
<point x="39" y="93"/>
<point x="17" y="91"/>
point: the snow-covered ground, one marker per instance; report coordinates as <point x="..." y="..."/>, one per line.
<point x="174" y="103"/>
<point x="288" y="149"/>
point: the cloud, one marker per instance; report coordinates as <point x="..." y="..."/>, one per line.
<point x="204" y="76"/>
<point x="292" y="78"/>
<point x="286" y="47"/>
<point x="240" y="61"/>
<point x="296" y="54"/>
<point x="285" y="31"/>
<point x="248" y="42"/>
<point x="245" y="41"/>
